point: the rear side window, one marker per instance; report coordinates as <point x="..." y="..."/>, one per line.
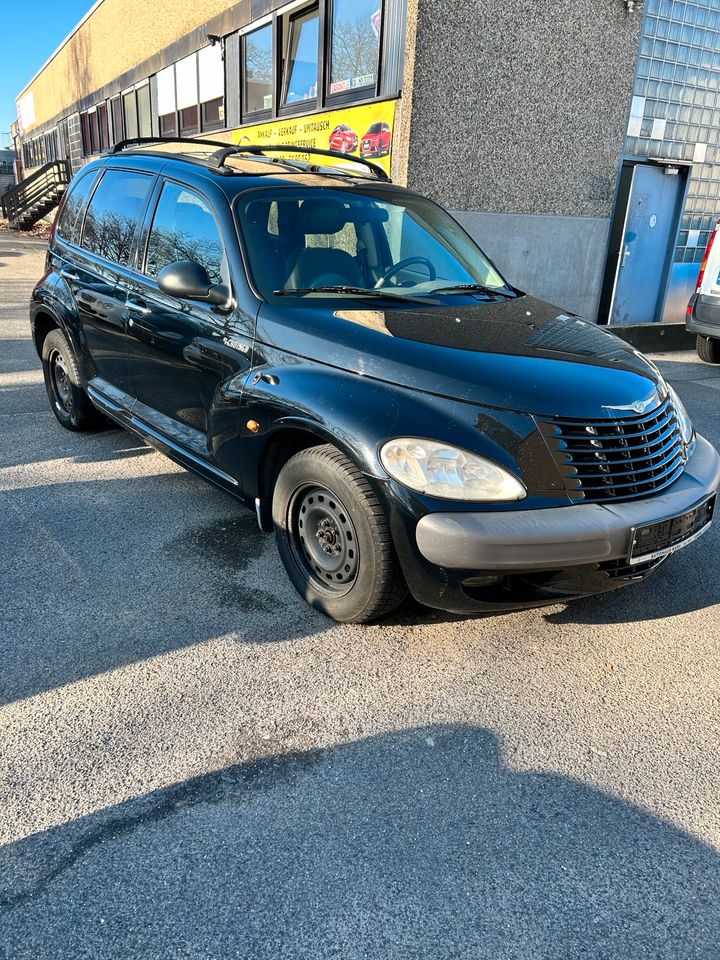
<point x="114" y="214"/>
<point x="184" y="228"/>
<point x="70" y="221"/>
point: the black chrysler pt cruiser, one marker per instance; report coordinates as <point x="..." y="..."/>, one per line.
<point x="337" y="353"/>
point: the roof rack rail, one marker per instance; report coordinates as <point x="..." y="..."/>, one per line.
<point x="258" y="150"/>
<point x="219" y="158"/>
<point x="134" y="141"/>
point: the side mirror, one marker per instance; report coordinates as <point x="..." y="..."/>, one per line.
<point x="188" y="280"/>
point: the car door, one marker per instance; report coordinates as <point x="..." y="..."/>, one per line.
<point x="180" y="350"/>
<point x="96" y="271"/>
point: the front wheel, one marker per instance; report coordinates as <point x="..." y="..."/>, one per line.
<point x="708" y="349"/>
<point x="69" y="401"/>
<point x="333" y="537"/>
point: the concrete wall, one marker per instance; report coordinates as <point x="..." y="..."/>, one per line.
<point x="552" y="257"/>
<point x="520" y="108"/>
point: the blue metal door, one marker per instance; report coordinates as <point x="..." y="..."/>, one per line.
<point x="647" y="245"/>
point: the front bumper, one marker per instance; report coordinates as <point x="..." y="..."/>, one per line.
<point x="561" y="536"/>
<point x="489" y="561"/>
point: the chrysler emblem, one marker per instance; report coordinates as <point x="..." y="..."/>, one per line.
<point x="638" y="406"/>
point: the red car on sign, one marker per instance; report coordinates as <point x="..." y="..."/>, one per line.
<point x="344" y="139"/>
<point x="376" y="142"/>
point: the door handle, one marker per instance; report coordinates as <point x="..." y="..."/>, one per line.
<point x="133" y="306"/>
<point x="68" y="274"/>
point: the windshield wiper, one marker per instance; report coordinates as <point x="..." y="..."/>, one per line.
<point x="351" y="291"/>
<point x="476" y="288"/>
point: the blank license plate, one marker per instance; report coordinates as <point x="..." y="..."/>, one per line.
<point x="667" y="536"/>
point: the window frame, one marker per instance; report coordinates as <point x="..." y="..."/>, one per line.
<point x="149" y="219"/>
<point x="343" y="97"/>
<point x="140" y="88"/>
<point x="257" y="116"/>
<point x="134" y="248"/>
<point x="284" y="30"/>
<point x="84" y="133"/>
<point x="124" y="97"/>
<point x="92" y="174"/>
<point x="118" y="120"/>
<point x="103" y="125"/>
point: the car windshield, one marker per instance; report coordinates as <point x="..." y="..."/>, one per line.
<point x="346" y="241"/>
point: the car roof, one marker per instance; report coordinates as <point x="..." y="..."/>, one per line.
<point x="238" y="173"/>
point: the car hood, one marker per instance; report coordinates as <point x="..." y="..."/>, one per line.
<point x="519" y="354"/>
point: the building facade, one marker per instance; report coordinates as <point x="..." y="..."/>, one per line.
<point x="575" y="139"/>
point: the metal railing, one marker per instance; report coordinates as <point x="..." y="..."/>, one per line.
<point x="37" y="190"/>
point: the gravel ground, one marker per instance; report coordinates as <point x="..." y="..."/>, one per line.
<point x="195" y="765"/>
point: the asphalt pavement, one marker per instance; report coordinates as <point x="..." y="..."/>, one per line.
<point x="193" y="764"/>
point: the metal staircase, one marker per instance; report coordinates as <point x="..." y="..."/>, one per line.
<point x="34" y="197"/>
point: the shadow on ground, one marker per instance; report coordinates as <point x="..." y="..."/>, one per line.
<point x="420" y="844"/>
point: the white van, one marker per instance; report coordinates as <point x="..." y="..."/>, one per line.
<point x="703" y="312"/>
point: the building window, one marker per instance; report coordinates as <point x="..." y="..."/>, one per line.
<point x="85" y="131"/>
<point x="117" y="120"/>
<point x="168" y="125"/>
<point x="94" y="132"/>
<point x="167" y="102"/>
<point x="131" y="115"/>
<point x="189" y="124"/>
<point x="354" y="46"/>
<point x="143" y="111"/>
<point x="211" y="80"/>
<point x="258" y="70"/>
<point x="186" y="85"/>
<point x="213" y="114"/>
<point x="300" y="75"/>
<point x="103" y="127"/>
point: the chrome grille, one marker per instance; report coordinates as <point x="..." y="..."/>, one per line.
<point x="617" y="459"/>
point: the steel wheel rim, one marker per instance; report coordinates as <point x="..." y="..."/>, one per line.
<point x="323" y="539"/>
<point x="60" y="382"/>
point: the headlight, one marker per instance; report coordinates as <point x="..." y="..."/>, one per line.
<point x="442" y="471"/>
<point x="687" y="431"/>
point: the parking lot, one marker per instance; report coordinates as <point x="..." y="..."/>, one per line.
<point x="193" y="764"/>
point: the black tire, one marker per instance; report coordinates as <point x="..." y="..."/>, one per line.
<point x="68" y="400"/>
<point x="346" y="566"/>
<point x="708" y="349"/>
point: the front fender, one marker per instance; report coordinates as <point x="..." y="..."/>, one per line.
<point x="358" y="414"/>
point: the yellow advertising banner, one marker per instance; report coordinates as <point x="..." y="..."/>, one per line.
<point x="362" y="131"/>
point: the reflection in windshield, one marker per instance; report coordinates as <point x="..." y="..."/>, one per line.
<point x="377" y="239"/>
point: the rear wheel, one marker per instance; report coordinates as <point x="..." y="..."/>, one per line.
<point x="708" y="349"/>
<point x="333" y="537"/>
<point x="68" y="400"/>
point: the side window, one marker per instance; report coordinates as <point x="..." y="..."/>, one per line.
<point x="184" y="228"/>
<point x="114" y="213"/>
<point x="70" y="221"/>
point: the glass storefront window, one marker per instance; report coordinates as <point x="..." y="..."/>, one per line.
<point x="355" y="45"/>
<point x="258" y="70"/>
<point x="301" y="72"/>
